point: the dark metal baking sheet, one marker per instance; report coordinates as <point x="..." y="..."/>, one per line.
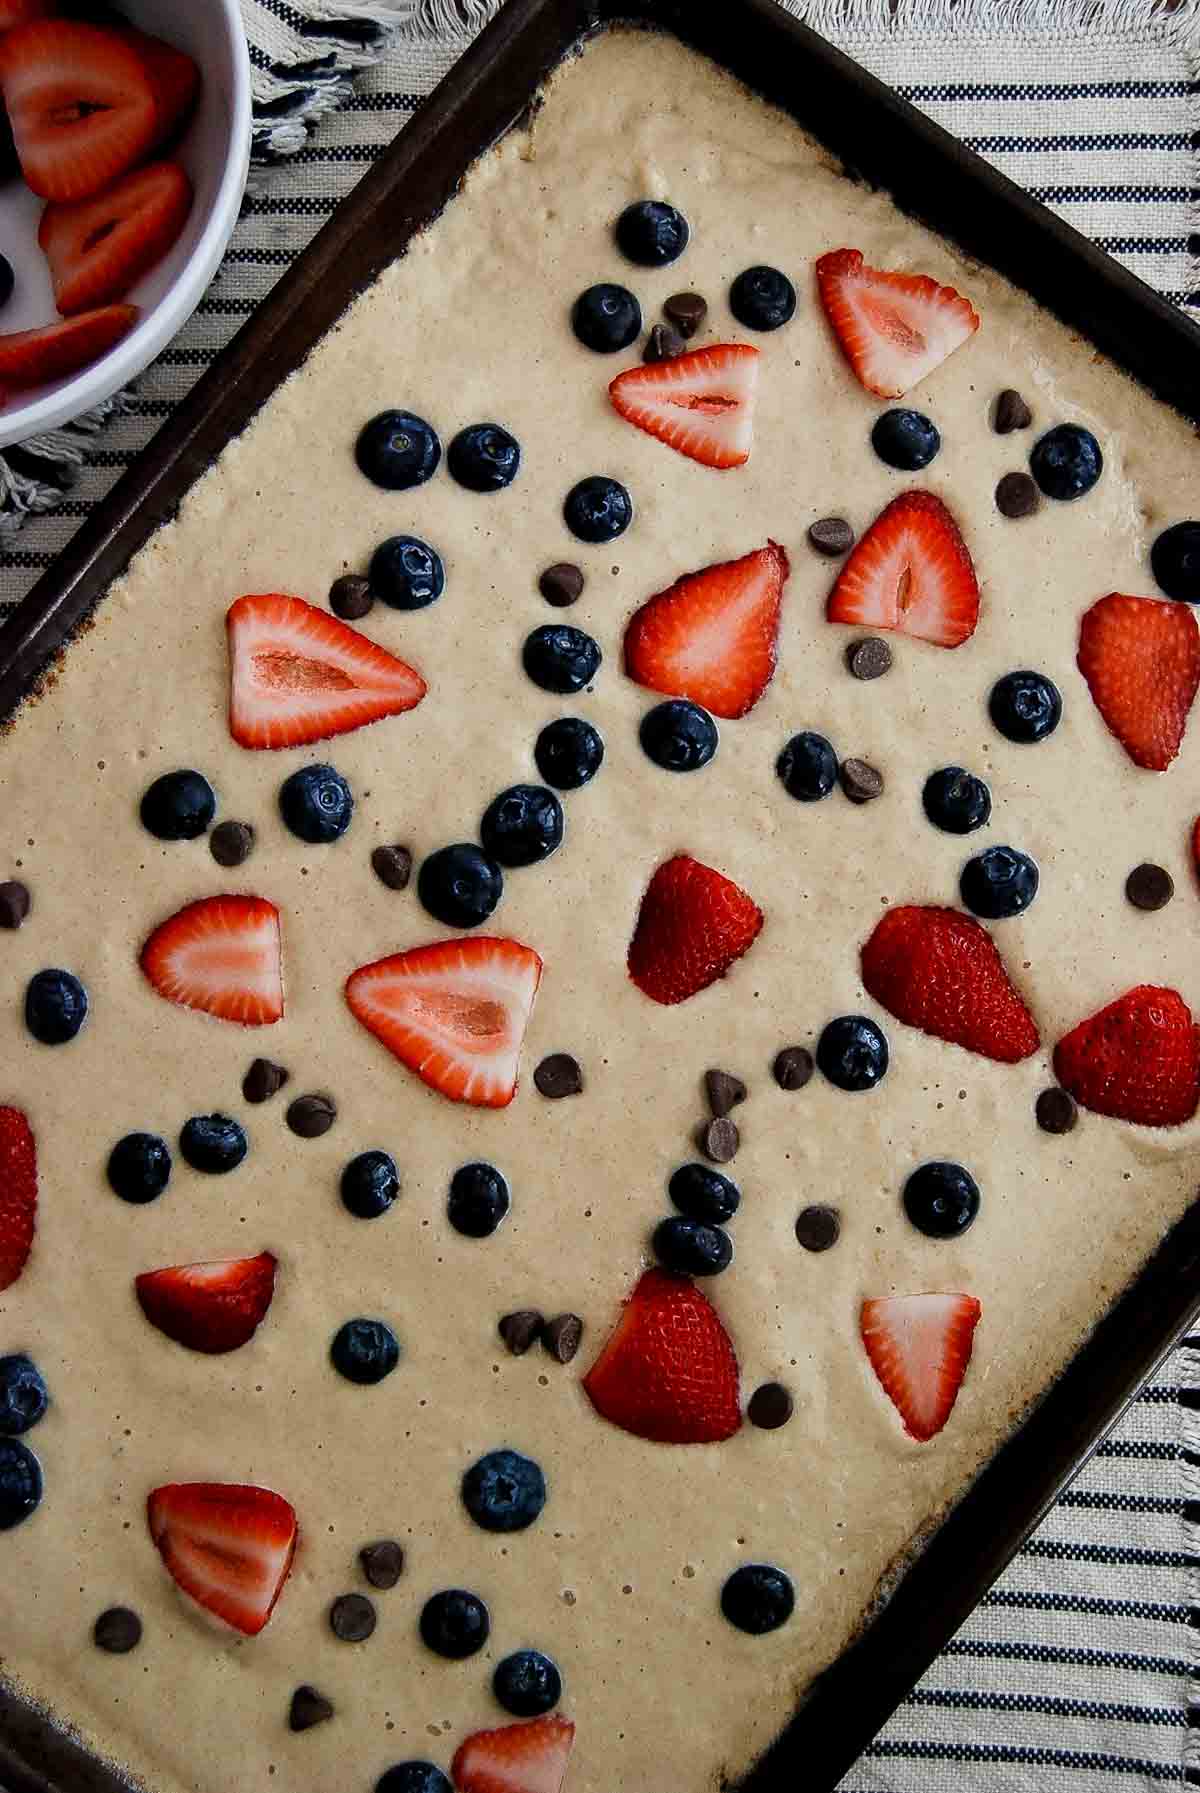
<point x="885" y="141"/>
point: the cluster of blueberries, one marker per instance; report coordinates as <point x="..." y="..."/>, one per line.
<point x="23" y="1401"/>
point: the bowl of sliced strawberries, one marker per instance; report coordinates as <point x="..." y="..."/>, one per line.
<point x="124" y="146"/>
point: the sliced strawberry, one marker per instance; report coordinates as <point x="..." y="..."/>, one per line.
<point x="893" y="328"/>
<point x="297" y="674"/>
<point x="209" y="1307"/>
<point x="174" y="80"/>
<point x="221" y="955"/>
<point x="668" y="1372"/>
<point x="49" y="352"/>
<point x="1196" y="846"/>
<point x="455" y="1012"/>
<point x="939" y="970"/>
<point x="1141" y="659"/>
<point x="919" y="1347"/>
<point x="522" y="1758"/>
<point x="911" y="572"/>
<point x="701" y="403"/>
<point x="227" y="1545"/>
<point x="18" y="1194"/>
<point x="1137" y="1060"/>
<point x="97" y="248"/>
<point x="712" y="635"/>
<point x="81" y="103"/>
<point x="692" y="925"/>
<point x="21" y="12"/>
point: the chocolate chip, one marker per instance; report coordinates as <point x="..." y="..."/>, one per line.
<point x="14" y="903"/>
<point x="263" y="1080"/>
<point x="392" y="866"/>
<point x="521" y="1329"/>
<point x="1149" y="887"/>
<point x="561" y="1336"/>
<point x="352" y="1618"/>
<point x="350" y="596"/>
<point x="308" y="1708"/>
<point x="724" y="1091"/>
<point x="1011" y="413"/>
<point x="231" y="843"/>
<point x="817" y="1228"/>
<point x="793" y="1067"/>
<point x="382" y="1563"/>
<point x="559" y="1075"/>
<point x="118" y="1631"/>
<point x="769" y="1406"/>
<point x="687" y="311"/>
<point x="1017" y="496"/>
<point x="310" y="1116"/>
<point x="832" y="536"/>
<point x="663" y="344"/>
<point x="869" y="658"/>
<point x="1056" y="1111"/>
<point x="860" y="781"/>
<point x="561" y="584"/>
<point x="719" y="1140"/>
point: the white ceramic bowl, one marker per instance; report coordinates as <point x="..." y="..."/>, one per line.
<point x="216" y="153"/>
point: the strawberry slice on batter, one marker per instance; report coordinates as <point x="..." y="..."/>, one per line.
<point x="894" y="328"/>
<point x="455" y="1012"/>
<point x="229" y="1546"/>
<point x="693" y="925"/>
<point x="939" y="970"/>
<point x="18" y="1194"/>
<point x="220" y="955"/>
<point x="1141" y="660"/>
<point x="668" y="1372"/>
<point x="919" y="1347"/>
<point x="701" y="403"/>
<point x="521" y="1758"/>
<point x="910" y="572"/>
<point x="299" y="675"/>
<point x="1136" y="1060"/>
<point x="713" y="635"/>
<point x="211" y="1307"/>
<point x="97" y="248"/>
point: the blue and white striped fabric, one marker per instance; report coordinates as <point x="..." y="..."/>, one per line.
<point x="1075" y="1673"/>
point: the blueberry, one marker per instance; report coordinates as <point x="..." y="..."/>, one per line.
<point x="522" y="825"/>
<point x="807" y="767"/>
<point x="178" y="806"/>
<point x="853" y="1052"/>
<point x="413" y="1777"/>
<point x="407" y="573"/>
<point x="1025" y="706"/>
<point x="606" y="318"/>
<point x="504" y="1492"/>
<point x="316" y="803"/>
<point x="956" y="801"/>
<point x="1066" y="462"/>
<point x="998" y="883"/>
<point x="460" y="885"/>
<point x="762" y="298"/>
<point x="56" y="1006"/>
<point x="139" y="1167"/>
<point x="527" y="1684"/>
<point x="23" y="1396"/>
<point x="7" y="278"/>
<point x="364" y="1351"/>
<point x="213" y="1143"/>
<point x="370" y="1184"/>
<point x="652" y="233"/>
<point x="484" y="458"/>
<point x="454" y="1623"/>
<point x="20" y="1483"/>
<point x="398" y="450"/>
<point x="691" y="1248"/>
<point x="478" y="1201"/>
<point x="941" y="1199"/>
<point x="678" y="736"/>
<point x="1175" y="562"/>
<point x="598" y="509"/>
<point x="568" y="753"/>
<point x="704" y="1194"/>
<point x="905" y="439"/>
<point x="560" y="658"/>
<point x="758" y="1598"/>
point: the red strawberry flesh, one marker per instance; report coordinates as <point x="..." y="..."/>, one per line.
<point x="210" y="1307"/>
<point x="700" y="403"/>
<point x="229" y="1546"/>
<point x="521" y="1758"/>
<point x="1137" y="1060"/>
<point x="910" y="572"/>
<point x="81" y="104"/>
<point x="18" y="1194"/>
<point x="693" y="925"/>
<point x="97" y="248"/>
<point x="919" y="1347"/>
<point x="1141" y="659"/>
<point x="894" y="328"/>
<point x="668" y="1371"/>
<point x="220" y="955"/>
<point x="52" y="351"/>
<point x="939" y="970"/>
